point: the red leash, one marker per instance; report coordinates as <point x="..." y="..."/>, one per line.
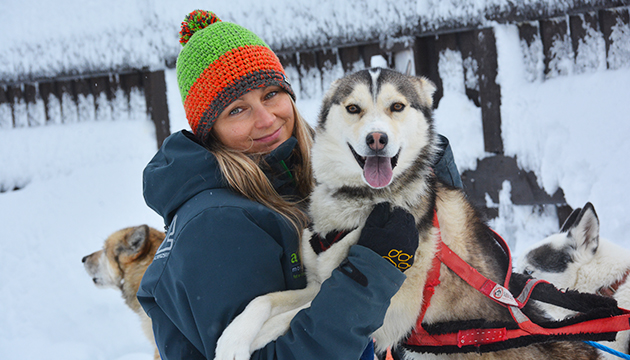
<point x="501" y="295"/>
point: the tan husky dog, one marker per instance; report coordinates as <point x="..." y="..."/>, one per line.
<point x="121" y="264"/>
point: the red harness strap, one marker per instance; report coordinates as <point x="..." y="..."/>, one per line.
<point x="501" y="295"/>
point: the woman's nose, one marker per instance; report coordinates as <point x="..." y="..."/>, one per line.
<point x="264" y="116"/>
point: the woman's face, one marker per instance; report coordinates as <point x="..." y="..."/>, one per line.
<point x="257" y="122"/>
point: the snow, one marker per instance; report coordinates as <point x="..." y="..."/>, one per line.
<point x="82" y="180"/>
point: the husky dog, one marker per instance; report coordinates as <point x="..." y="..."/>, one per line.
<point x="577" y="258"/>
<point x="121" y="264"/>
<point x="394" y="110"/>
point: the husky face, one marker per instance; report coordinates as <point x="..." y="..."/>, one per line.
<point x="107" y="266"/>
<point x="373" y="124"/>
<point x="561" y="258"/>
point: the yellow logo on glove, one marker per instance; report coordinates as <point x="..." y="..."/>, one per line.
<point x="399" y="259"/>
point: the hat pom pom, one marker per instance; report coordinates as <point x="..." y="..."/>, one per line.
<point x="195" y="21"/>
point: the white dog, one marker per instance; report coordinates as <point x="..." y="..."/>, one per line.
<point x="577" y="258"/>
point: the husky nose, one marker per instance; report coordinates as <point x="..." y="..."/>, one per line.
<point x="84" y="259"/>
<point x="376" y="140"/>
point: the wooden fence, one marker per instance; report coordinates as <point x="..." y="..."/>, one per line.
<point x="95" y="97"/>
<point x="560" y="38"/>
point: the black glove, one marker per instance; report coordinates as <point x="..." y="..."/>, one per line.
<point x="391" y="234"/>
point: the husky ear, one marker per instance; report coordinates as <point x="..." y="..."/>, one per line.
<point x="568" y="223"/>
<point x="426" y="88"/>
<point x="585" y="230"/>
<point x="137" y="238"/>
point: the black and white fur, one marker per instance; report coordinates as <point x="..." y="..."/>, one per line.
<point x="359" y="108"/>
<point x="577" y="258"/>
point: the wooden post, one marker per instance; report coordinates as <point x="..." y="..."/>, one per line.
<point x="46" y="90"/>
<point x="16" y="97"/>
<point x="351" y="59"/>
<point x="426" y="60"/>
<point x="155" y="92"/>
<point x="370" y="50"/>
<point x="466" y="42"/>
<point x="489" y="91"/>
<point x="553" y="33"/>
<point x="532" y="52"/>
<point x="100" y="89"/>
<point x="34" y="108"/>
<point x="310" y="77"/>
<point x="68" y="97"/>
<point x="608" y="19"/>
<point x="6" y="111"/>
<point x="85" y="100"/>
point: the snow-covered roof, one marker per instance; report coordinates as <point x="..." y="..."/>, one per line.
<point x="70" y="37"/>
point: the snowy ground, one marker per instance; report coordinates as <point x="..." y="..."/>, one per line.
<point x="83" y="181"/>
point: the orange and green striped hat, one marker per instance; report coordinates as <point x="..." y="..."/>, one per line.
<point x="219" y="63"/>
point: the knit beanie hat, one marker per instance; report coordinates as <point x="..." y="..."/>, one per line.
<point x="219" y="63"/>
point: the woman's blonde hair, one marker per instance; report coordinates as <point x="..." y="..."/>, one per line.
<point x="244" y="174"/>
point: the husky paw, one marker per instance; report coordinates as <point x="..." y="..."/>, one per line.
<point x="235" y="342"/>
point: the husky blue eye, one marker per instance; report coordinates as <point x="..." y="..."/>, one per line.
<point x="397" y="107"/>
<point x="353" y="109"/>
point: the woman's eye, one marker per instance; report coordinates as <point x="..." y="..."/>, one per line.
<point x="270" y="94"/>
<point x="353" y="109"/>
<point x="235" y="111"/>
<point x="397" y="107"/>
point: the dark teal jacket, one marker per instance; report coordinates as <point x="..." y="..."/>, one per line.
<point x="223" y="250"/>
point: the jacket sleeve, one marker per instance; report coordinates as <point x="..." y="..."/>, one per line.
<point x="350" y="306"/>
<point x="214" y="271"/>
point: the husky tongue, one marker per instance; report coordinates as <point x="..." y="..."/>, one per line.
<point x="378" y="171"/>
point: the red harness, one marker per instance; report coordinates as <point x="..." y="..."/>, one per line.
<point x="501" y="295"/>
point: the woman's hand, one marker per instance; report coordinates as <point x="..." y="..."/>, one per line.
<point x="391" y="234"/>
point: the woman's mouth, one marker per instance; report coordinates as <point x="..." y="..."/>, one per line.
<point x="267" y="138"/>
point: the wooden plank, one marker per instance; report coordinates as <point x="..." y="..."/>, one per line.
<point x="442" y="43"/>
<point x="130" y="80"/>
<point x="287" y="60"/>
<point x="370" y="50"/>
<point x="69" y="111"/>
<point x="6" y="110"/>
<point x="155" y="93"/>
<point x="310" y="76"/>
<point x="531" y="44"/>
<point x="46" y="91"/>
<point x="608" y="20"/>
<point x="489" y="176"/>
<point x="20" y="114"/>
<point x="100" y="85"/>
<point x="289" y="63"/>
<point x="85" y="100"/>
<point x="35" y="107"/>
<point x="426" y="60"/>
<point x="307" y="60"/>
<point x="326" y="59"/>
<point x="554" y="33"/>
<point x="465" y="43"/>
<point x="489" y="90"/>
<point x="329" y="67"/>
<point x="102" y="99"/>
<point x="351" y="59"/>
<point x="585" y="34"/>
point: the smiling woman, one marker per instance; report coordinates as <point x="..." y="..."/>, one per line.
<point x="233" y="195"/>
<point x="257" y="122"/>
